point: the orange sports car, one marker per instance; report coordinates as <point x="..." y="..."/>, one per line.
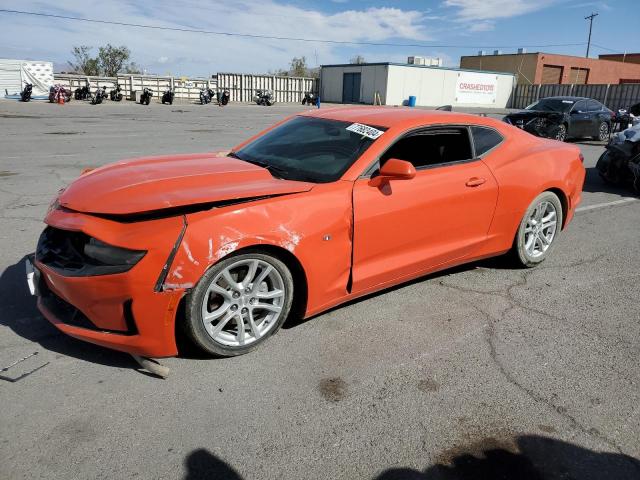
<point x="324" y="207"/>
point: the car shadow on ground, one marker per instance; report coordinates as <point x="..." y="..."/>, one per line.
<point x="20" y="314"/>
<point x="526" y="457"/>
<point x="502" y="262"/>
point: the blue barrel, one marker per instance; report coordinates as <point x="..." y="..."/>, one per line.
<point x="412" y="101"/>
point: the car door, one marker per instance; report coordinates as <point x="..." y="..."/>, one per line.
<point x="442" y="214"/>
<point x="579" y="120"/>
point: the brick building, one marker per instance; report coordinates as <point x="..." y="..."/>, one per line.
<point x="621" y="57"/>
<point x="545" y="68"/>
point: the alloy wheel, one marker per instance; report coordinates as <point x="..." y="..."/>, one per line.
<point x="603" y="132"/>
<point x="243" y="302"/>
<point x="540" y="229"/>
<point x="561" y="135"/>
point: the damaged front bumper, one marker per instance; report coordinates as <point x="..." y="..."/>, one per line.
<point x="540" y="126"/>
<point x="122" y="311"/>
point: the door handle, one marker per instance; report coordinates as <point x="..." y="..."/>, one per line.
<point x="475" y="182"/>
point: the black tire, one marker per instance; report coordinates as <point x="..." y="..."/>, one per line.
<point x="561" y="134"/>
<point x="193" y="323"/>
<point x="147" y="101"/>
<point x="603" y="132"/>
<point x="519" y="252"/>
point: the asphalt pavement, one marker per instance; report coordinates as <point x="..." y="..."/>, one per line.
<point x="484" y="371"/>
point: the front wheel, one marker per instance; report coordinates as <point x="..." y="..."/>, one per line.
<point x="538" y="229"/>
<point x="239" y="303"/>
<point x="561" y="134"/>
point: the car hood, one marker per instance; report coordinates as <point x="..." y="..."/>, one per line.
<point x="158" y="183"/>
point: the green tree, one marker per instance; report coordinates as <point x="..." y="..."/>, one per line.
<point x="112" y="59"/>
<point x="299" y="67"/>
<point x="83" y="62"/>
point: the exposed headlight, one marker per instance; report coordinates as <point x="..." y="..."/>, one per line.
<point x="76" y="254"/>
<point x="110" y="255"/>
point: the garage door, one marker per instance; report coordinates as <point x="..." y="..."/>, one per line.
<point x="579" y="76"/>
<point x="551" y="74"/>
<point x="351" y="88"/>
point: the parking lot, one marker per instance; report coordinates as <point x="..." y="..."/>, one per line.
<point x="486" y="369"/>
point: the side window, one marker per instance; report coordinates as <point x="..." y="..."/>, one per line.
<point x="580" y="106"/>
<point x="433" y="146"/>
<point x="593" y="106"/>
<point x="485" y="139"/>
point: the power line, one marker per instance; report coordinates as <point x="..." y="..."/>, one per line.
<point x="274" y="37"/>
<point x="606" y="48"/>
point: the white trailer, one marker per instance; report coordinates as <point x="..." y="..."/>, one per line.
<point x="13" y="74"/>
<point x="394" y="84"/>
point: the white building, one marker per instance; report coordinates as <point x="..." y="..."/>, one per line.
<point x="13" y="74"/>
<point x="393" y="84"/>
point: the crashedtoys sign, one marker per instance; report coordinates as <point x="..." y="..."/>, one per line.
<point x="476" y="88"/>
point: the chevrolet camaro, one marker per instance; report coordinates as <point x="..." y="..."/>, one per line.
<point x="324" y="207"/>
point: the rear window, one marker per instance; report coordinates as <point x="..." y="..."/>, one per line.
<point x="485" y="139"/>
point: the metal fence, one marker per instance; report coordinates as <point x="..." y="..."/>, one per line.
<point x="186" y="89"/>
<point x="613" y="96"/>
<point x="242" y="87"/>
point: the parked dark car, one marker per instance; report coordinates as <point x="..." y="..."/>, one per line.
<point x="564" y="117"/>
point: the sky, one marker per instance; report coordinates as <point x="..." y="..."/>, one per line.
<point x="439" y="28"/>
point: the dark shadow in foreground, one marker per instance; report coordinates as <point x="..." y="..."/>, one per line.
<point x="526" y="457"/>
<point x="201" y="464"/>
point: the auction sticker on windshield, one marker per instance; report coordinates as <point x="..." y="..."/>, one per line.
<point x="365" y="130"/>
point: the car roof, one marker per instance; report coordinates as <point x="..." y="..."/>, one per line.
<point x="389" y="117"/>
<point x="567" y="97"/>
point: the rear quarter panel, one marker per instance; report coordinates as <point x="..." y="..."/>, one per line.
<point x="525" y="166"/>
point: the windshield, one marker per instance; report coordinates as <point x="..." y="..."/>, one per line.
<point x="552" y="105"/>
<point x="309" y="149"/>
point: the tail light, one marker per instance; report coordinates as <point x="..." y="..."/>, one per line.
<point x="581" y="157"/>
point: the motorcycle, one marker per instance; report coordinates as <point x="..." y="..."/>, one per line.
<point x="25" y="95"/>
<point x="223" y="98"/>
<point x="310" y="98"/>
<point x="82" y="93"/>
<point x="167" y="96"/>
<point x="115" y="94"/>
<point x="100" y="95"/>
<point x="145" y="98"/>
<point x="264" y="97"/>
<point x="626" y="117"/>
<point x="206" y="95"/>
<point x="58" y="91"/>
<point x="620" y="163"/>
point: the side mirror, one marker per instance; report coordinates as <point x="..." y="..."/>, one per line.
<point x="394" y="169"/>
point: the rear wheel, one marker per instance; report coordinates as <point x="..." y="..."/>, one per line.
<point x="538" y="229"/>
<point x="239" y="303"/>
<point x="603" y="131"/>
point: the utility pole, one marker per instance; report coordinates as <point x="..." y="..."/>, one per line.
<point x="590" y="18"/>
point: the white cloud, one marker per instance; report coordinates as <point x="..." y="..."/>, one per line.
<point x="478" y="10"/>
<point x="483" y="26"/>
<point x="203" y="54"/>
